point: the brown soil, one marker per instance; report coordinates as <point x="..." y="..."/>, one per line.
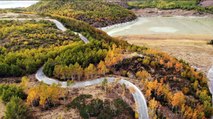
<point x="56" y="113"/>
<point x="10" y="80"/>
<point x="150" y="12"/>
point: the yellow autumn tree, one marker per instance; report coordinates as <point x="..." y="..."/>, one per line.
<point x="33" y="94"/>
<point x="153" y="105"/>
<point x="113" y="56"/>
<point x="102" y="69"/>
<point x="90" y="71"/>
<point x="142" y="75"/>
<point x="24" y="82"/>
<point x="44" y="93"/>
<point x="79" y="71"/>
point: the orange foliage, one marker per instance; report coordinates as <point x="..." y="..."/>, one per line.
<point x="113" y="56"/>
<point x="44" y="92"/>
<point x="178" y="66"/>
<point x="142" y="74"/>
<point x="102" y="69"/>
<point x="169" y="65"/>
<point x="178" y="99"/>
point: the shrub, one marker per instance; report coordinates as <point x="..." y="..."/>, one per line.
<point x="8" y="91"/>
<point x="16" y="109"/>
<point x="142" y="75"/>
<point x="100" y="109"/>
<point x="79" y="101"/>
<point x="211" y="42"/>
<point x="49" y="67"/>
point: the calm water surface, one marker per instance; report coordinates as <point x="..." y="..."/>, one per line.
<point x="164" y="25"/>
<point x="16" y="4"/>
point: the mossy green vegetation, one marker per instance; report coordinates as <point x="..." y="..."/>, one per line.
<point x="97" y="13"/>
<point x="171" y="4"/>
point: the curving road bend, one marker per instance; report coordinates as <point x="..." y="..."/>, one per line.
<point x="210" y="77"/>
<point x="58" y="24"/>
<point x="137" y="95"/>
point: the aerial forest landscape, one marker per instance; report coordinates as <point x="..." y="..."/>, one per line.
<point x="106" y="59"/>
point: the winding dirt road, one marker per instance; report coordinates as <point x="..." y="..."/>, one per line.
<point x="137" y="95"/>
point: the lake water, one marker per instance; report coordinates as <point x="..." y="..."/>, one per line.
<point x="164" y="25"/>
<point x="16" y="4"/>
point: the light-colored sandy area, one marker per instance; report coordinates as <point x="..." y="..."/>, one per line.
<point x="193" y="50"/>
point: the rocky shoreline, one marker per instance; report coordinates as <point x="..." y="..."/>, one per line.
<point x="151" y="12"/>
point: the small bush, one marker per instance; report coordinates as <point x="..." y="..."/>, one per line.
<point x="100" y="109"/>
<point x="211" y="42"/>
<point x="16" y="109"/>
<point x="79" y="101"/>
<point x="8" y="91"/>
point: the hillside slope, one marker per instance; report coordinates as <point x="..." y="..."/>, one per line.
<point x="196" y="5"/>
<point x="96" y="13"/>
